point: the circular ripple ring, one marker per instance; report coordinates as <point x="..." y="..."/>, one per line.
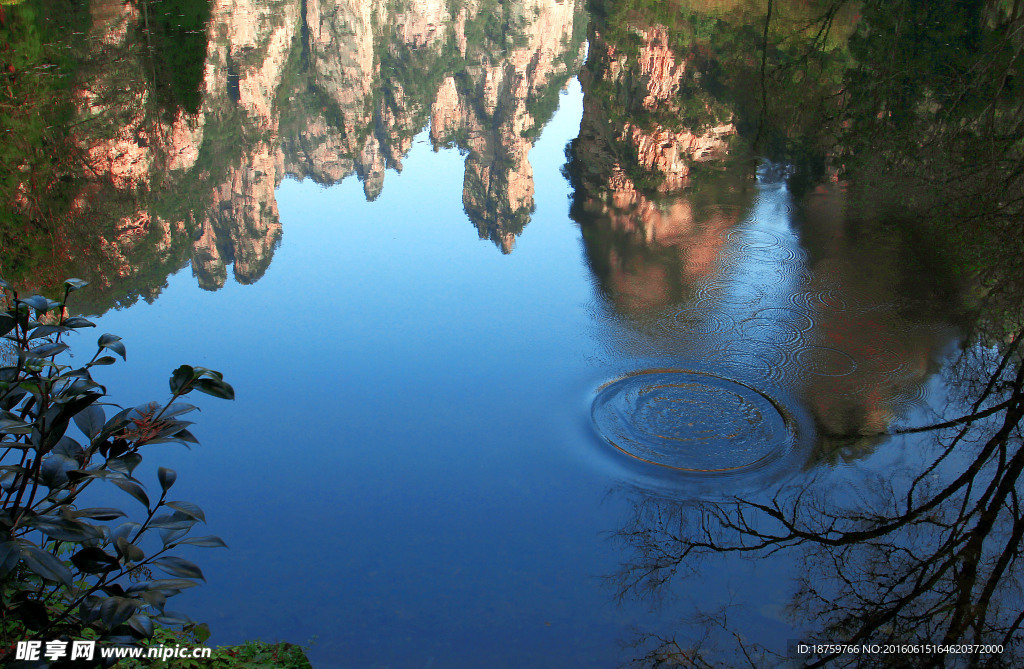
<point x="692" y="421"/>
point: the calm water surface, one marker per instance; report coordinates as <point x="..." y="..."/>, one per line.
<point x="462" y="372"/>
<point x="410" y="475"/>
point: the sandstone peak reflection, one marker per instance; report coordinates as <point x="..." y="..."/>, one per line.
<point x="300" y="89"/>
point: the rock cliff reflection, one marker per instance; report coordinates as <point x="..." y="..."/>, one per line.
<point x="299" y="89"/>
<point x="735" y="296"/>
<point x="706" y="257"/>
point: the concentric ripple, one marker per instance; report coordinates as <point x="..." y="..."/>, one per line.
<point x="826" y="361"/>
<point x="696" y="321"/>
<point x="692" y="421"/>
<point x="829" y="299"/>
<point x="764" y="242"/>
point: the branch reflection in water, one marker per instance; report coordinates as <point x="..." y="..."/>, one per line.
<point x="919" y="556"/>
<point x="921" y="543"/>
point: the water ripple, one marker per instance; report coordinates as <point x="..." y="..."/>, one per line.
<point x="829" y="299"/>
<point x="826" y="361"/>
<point x="691" y="320"/>
<point x="693" y="421"/>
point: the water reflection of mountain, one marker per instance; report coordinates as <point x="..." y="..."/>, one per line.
<point x="634" y="135"/>
<point x="698" y="264"/>
<point x="648" y="254"/>
<point x="737" y="289"/>
<point x="921" y="541"/>
<point x="306" y="89"/>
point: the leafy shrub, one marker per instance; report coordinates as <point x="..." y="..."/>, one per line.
<point x="69" y="571"/>
<point x="249" y="655"/>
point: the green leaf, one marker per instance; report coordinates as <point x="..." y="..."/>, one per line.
<point x="142" y="625"/>
<point x="7" y="323"/>
<point x="205" y="542"/>
<point x="174" y="618"/>
<point x="93" y="560"/>
<point x="78" y="322"/>
<point x="40" y="303"/>
<point x="71" y="405"/>
<point x="45" y="564"/>
<point x="14" y="426"/>
<point x="180" y="378"/>
<point x="172" y="537"/>
<point x="133" y="489"/>
<point x="167" y="477"/>
<point x="90" y="420"/>
<point x="171" y="427"/>
<point x="125" y="529"/>
<point x="32" y="387"/>
<point x="177" y="409"/>
<point x="69" y="448"/>
<point x="99" y="513"/>
<point x="155" y="598"/>
<point x="116" y="610"/>
<point x="104" y="360"/>
<point x="48" y="350"/>
<point x="75" y="284"/>
<point x="169" y="521"/>
<point x="176" y="566"/>
<point x="129" y="551"/>
<point x="62" y="529"/>
<point x="165" y="584"/>
<point x="125" y="464"/>
<point x="185" y="437"/>
<point x="202" y="632"/>
<point x="76" y="475"/>
<point x="10" y="554"/>
<point x="53" y="473"/>
<point x="82" y="374"/>
<point x="189" y="509"/>
<point x="46" y="331"/>
<point x="11" y="478"/>
<point x="215" y="387"/>
<point x="113" y="343"/>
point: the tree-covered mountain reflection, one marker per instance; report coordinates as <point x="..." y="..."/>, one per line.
<point x="904" y="196"/>
<point x="307" y="89"/>
<point x="821" y="198"/>
<point x="704" y="260"/>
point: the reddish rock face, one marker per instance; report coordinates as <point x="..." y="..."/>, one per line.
<point x="619" y="89"/>
<point x="491" y="111"/>
<point x="648" y="252"/>
<point x="660" y="149"/>
<point x="631" y="166"/>
<point x="311" y="89"/>
<point x="129" y="142"/>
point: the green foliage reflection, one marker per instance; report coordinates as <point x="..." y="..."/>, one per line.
<point x="175" y="32"/>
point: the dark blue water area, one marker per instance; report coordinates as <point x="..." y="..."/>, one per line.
<point x="410" y="477"/>
<point x="407" y="476"/>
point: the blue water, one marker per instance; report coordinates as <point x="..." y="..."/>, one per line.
<point x="409" y="476"/>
